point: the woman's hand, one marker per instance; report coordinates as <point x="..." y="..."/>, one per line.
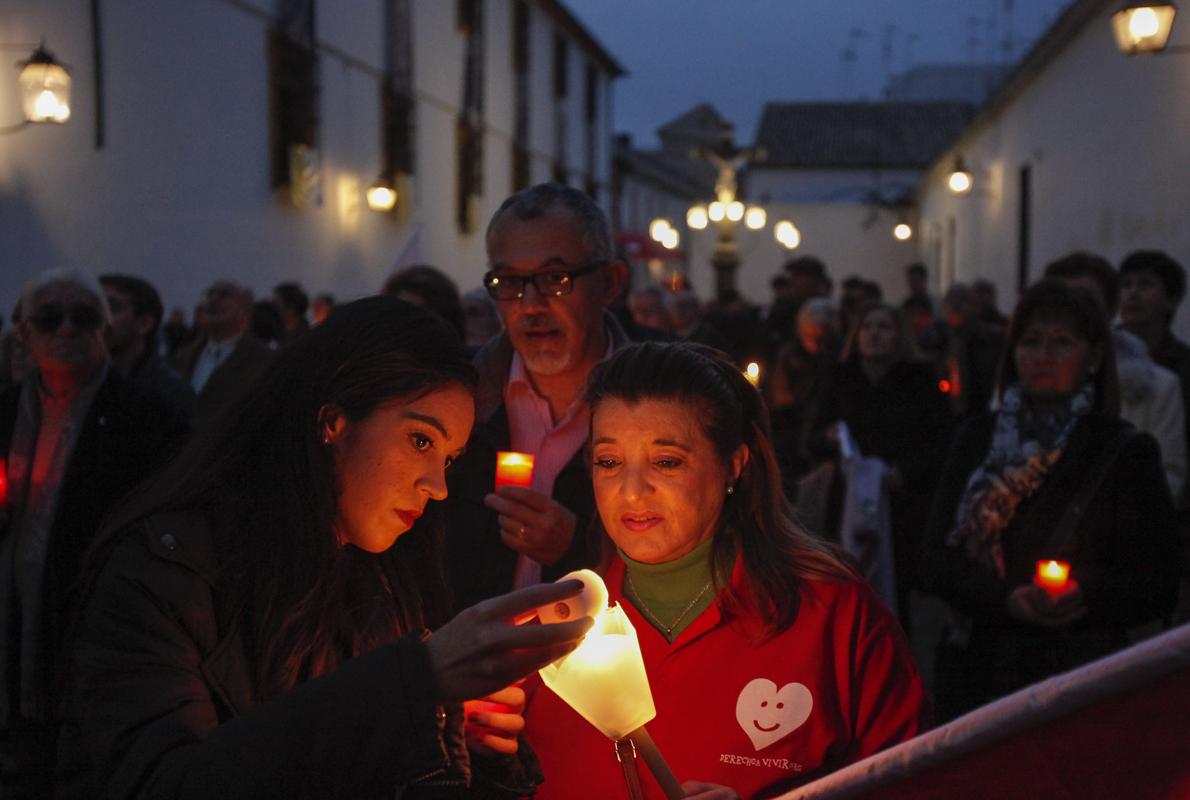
<point x="1032" y="604"/>
<point x="708" y="791"/>
<point x="483" y="649"/>
<point x="493" y="722"/>
<point x="533" y="523"/>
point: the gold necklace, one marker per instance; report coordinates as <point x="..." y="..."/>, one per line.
<point x="669" y="629"/>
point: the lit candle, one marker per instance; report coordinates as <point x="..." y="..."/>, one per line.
<point x="1052" y="576"/>
<point x="604" y="679"/>
<point x="752" y="373"/>
<point x="514" y="469"/>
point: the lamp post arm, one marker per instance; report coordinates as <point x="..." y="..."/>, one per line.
<point x="6" y="129"/>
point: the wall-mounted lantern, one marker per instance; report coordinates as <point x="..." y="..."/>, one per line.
<point x="381" y="195"/>
<point x="1143" y="27"/>
<point x="45" y="87"/>
<point x="960" y="181"/>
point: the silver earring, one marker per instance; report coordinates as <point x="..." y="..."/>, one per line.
<point x="730" y="489"/>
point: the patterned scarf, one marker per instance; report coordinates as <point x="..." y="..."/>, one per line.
<point x="1024" y="449"/>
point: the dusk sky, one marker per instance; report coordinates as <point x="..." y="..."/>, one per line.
<point x="740" y="54"/>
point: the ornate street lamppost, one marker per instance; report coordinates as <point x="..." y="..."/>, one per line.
<point x="726" y="211"/>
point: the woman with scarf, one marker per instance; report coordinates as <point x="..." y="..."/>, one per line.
<point x="1054" y="474"/>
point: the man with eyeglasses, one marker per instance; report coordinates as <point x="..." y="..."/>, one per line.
<point x="75" y="437"/>
<point x="552" y="273"/>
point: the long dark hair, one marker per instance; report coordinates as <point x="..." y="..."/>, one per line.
<point x="906" y="351"/>
<point x="265" y="476"/>
<point x="1051" y="298"/>
<point x="758" y="525"/>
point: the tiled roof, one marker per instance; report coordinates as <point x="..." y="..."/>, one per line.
<point x="858" y="135"/>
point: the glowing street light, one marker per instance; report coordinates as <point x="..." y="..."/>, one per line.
<point x="45" y="88"/>
<point x="960" y="181"/>
<point x="787" y="234"/>
<point x="1143" y="27"/>
<point x="755" y="218"/>
<point x="902" y="232"/>
<point x="381" y="195"/>
<point x="696" y="218"/>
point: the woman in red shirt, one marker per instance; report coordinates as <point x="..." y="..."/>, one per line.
<point x="771" y="663"/>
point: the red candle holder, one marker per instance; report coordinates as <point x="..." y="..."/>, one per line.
<point x="1053" y="576"/>
<point x="514" y="469"/>
<point x="3" y="485"/>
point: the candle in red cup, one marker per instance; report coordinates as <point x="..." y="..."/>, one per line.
<point x="514" y="469"/>
<point x="1053" y="576"/>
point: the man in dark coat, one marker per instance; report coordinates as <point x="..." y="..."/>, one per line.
<point x="75" y="438"/>
<point x="226" y="358"/>
<point x="553" y="273"/>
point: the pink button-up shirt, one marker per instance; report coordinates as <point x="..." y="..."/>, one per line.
<point x="532" y="429"/>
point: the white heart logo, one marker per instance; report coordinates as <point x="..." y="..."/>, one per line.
<point x="767" y="713"/>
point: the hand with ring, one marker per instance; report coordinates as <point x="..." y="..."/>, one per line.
<point x="533" y="523"/>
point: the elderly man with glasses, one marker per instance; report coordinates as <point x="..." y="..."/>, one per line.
<point x="552" y="272"/>
<point x="75" y="437"/>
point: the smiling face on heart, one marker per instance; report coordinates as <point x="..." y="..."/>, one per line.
<point x="767" y="713"/>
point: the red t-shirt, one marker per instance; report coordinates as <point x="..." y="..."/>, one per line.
<point x="837" y="686"/>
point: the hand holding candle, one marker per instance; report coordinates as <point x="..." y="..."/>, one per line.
<point x="514" y="469"/>
<point x="604" y="678"/>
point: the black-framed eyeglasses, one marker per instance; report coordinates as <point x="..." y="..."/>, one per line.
<point x="554" y="283"/>
<point x="49" y="318"/>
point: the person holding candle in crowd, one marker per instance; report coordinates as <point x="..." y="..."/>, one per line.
<point x="552" y="273"/>
<point x="1055" y="474"/>
<point x="254" y="623"/>
<point x="770" y="661"/>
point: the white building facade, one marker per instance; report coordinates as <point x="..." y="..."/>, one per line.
<point x="169" y="166"/>
<point x="1081" y="149"/>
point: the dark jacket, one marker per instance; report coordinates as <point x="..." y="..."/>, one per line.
<point x="479" y="565"/>
<point x="151" y="372"/>
<point x="164" y="699"/>
<point x="229" y="380"/>
<point x="904" y="420"/>
<point x="129" y="433"/>
<point x="1123" y="556"/>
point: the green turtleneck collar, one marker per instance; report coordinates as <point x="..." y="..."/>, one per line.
<point x="671" y="595"/>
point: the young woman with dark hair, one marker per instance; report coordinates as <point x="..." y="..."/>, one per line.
<point x="1055" y="474"/>
<point x="770" y="661"/>
<point x="256" y="622"/>
<point x="895" y="411"/>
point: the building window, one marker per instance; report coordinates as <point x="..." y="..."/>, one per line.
<point x="561" y="54"/>
<point x="293" y="96"/>
<point x="469" y="130"/>
<point x="521" y="59"/>
<point x="397" y="97"/>
<point x="591" y="105"/>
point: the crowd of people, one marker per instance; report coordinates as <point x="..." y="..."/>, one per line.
<point x="262" y="553"/>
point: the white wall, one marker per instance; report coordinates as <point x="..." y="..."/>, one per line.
<point x="1106" y="139"/>
<point x="180" y="191"/>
